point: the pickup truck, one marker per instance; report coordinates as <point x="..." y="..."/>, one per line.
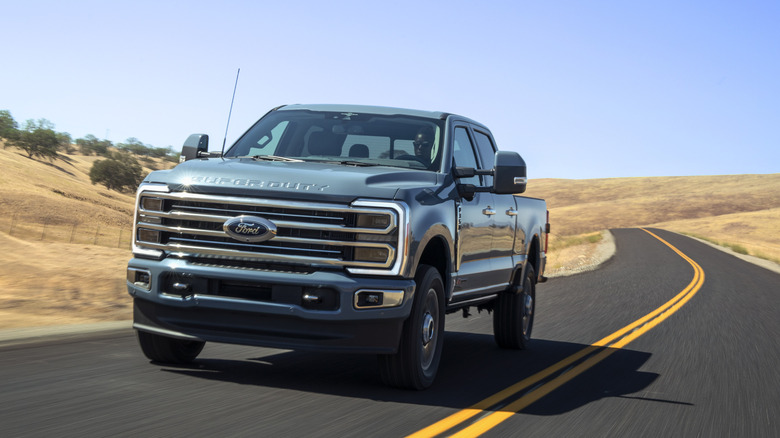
<point x="337" y="228"/>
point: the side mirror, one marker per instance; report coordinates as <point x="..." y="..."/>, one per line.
<point x="195" y="146"/>
<point x="509" y="173"/>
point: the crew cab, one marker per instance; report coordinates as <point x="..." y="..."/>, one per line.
<point x="337" y="228"/>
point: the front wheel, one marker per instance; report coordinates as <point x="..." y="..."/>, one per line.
<point x="168" y="350"/>
<point x="415" y="364"/>
<point x="513" y="318"/>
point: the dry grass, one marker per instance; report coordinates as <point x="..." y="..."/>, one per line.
<point x="756" y="233"/>
<point x="737" y="211"/>
<point x="44" y="280"/>
<point x="571" y="254"/>
<point x="44" y="283"/>
<point x="582" y="206"/>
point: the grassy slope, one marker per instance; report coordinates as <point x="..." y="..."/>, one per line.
<point x="38" y="190"/>
<point x="736" y="209"/>
<point x="43" y="282"/>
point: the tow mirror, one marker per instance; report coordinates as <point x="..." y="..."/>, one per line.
<point x="464" y="172"/>
<point x="509" y="173"/>
<point x="195" y="146"/>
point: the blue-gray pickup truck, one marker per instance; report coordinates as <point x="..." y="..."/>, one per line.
<point x="337" y="228"/>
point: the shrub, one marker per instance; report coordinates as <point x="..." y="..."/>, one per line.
<point x="119" y="172"/>
<point x="91" y="145"/>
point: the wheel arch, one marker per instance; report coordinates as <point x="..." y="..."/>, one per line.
<point x="534" y="255"/>
<point x="534" y="259"/>
<point x="437" y="253"/>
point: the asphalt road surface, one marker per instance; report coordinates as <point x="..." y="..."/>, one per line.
<point x="708" y="366"/>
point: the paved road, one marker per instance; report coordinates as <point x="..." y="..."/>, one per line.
<point x="710" y="369"/>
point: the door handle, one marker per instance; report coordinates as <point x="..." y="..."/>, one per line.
<point x="488" y="211"/>
<point x="511" y="212"/>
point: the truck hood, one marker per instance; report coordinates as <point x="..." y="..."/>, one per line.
<point x="292" y="180"/>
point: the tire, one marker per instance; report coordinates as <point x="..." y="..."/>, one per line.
<point x="415" y="364"/>
<point x="168" y="350"/>
<point x="513" y="318"/>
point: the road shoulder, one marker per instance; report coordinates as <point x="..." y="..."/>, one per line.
<point x="16" y="336"/>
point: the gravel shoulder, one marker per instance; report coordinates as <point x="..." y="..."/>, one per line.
<point x="582" y="258"/>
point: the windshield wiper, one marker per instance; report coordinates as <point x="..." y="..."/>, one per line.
<point x="357" y="163"/>
<point x="273" y="158"/>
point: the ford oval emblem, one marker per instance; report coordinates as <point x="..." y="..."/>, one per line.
<point x="249" y="228"/>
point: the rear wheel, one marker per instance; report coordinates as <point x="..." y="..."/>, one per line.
<point x="415" y="364"/>
<point x="168" y="350"/>
<point x="513" y="319"/>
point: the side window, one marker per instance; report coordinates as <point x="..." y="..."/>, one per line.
<point x="463" y="153"/>
<point x="487" y="152"/>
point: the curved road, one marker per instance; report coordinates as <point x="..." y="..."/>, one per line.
<point x="705" y="367"/>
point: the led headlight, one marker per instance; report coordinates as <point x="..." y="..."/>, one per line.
<point x="149" y="236"/>
<point x="369" y="254"/>
<point x="370" y="220"/>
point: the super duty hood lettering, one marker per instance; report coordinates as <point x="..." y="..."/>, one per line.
<point x="258" y="183"/>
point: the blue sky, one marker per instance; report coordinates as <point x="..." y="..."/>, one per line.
<point x="582" y="89"/>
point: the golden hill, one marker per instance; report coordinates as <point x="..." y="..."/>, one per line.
<point x="64" y="241"/>
<point x="737" y="210"/>
<point x="58" y="191"/>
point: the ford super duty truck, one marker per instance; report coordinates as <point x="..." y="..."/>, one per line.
<point x="337" y="228"/>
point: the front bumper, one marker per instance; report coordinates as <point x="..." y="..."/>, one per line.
<point x="276" y="318"/>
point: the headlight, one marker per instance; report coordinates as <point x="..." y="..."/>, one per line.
<point x="371" y="254"/>
<point x="152" y="204"/>
<point x="378" y="221"/>
<point x="149" y="236"/>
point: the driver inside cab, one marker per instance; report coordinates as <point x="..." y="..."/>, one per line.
<point x="423" y="143"/>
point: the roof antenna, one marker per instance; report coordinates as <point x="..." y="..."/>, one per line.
<point x="229" y="114"/>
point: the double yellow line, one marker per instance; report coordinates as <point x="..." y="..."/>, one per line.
<point x="538" y="385"/>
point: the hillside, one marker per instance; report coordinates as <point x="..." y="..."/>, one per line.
<point x="65" y="242"/>
<point x="739" y="210"/>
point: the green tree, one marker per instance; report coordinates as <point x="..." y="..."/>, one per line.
<point x="32" y="125"/>
<point x="120" y="171"/>
<point x="38" y="143"/>
<point x="159" y="152"/>
<point x="134" y="146"/>
<point x="64" y="142"/>
<point x="9" y="129"/>
<point x="91" y="145"/>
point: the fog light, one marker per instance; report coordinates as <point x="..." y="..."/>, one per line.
<point x="370" y="299"/>
<point x="368" y="254"/>
<point x="151" y="236"/>
<point x="140" y="278"/>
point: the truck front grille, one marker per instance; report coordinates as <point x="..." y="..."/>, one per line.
<point x="190" y="226"/>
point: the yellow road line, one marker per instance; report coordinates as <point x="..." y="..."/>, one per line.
<point x="607" y="345"/>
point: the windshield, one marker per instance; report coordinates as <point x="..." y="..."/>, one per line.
<point x="344" y="137"/>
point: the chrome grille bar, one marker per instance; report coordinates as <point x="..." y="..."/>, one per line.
<point x="333" y="237"/>
<point x="279" y="223"/>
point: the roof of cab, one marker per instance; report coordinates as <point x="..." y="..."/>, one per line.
<point x="367" y="109"/>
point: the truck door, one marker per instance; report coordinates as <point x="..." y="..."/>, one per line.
<point x="505" y="217"/>
<point x="475" y="232"/>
